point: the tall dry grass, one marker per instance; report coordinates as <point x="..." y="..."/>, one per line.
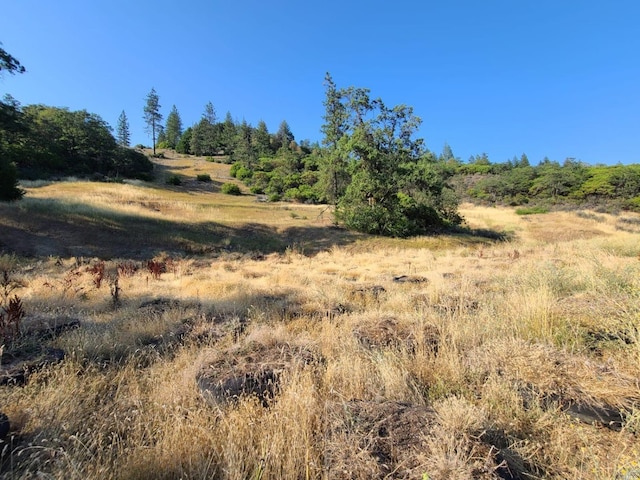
<point x="485" y="342"/>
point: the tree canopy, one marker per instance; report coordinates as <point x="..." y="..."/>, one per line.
<point x="391" y="185"/>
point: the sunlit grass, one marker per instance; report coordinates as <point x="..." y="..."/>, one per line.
<point x="485" y="337"/>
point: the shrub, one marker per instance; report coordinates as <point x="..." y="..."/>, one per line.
<point x="9" y="189"/>
<point x="174" y="180"/>
<point x="531" y="210"/>
<point x="231" y="189"/>
<point x="204" y="177"/>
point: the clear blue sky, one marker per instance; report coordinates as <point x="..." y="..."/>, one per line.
<point x="556" y="78"/>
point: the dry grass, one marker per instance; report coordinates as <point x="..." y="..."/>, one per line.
<point x="465" y="372"/>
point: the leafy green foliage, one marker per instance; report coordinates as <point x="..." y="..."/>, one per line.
<point x="49" y="141"/>
<point x="531" y="210"/>
<point x="230" y="189"/>
<point x="9" y="189"/>
<point x="10" y="127"/>
<point x="8" y="63"/>
<point x="184" y="144"/>
<point x="204" y="177"/>
<point x="517" y="183"/>
<point x="174" y="180"/>
<point x="395" y="187"/>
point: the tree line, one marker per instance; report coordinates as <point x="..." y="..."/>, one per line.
<point x="516" y="182"/>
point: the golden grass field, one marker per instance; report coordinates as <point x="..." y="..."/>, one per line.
<point x="444" y="357"/>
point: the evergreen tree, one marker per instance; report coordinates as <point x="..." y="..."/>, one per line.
<point x="184" y="145"/>
<point x="283" y="136"/>
<point x="173" y="130"/>
<point x="334" y="177"/>
<point x="447" y="153"/>
<point x="210" y="113"/>
<point x="206" y="137"/>
<point x="261" y="140"/>
<point x="123" y="136"/>
<point x="243" y="150"/>
<point x="228" y="134"/>
<point x="152" y="116"/>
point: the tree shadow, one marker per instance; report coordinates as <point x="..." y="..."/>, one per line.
<point x="42" y="227"/>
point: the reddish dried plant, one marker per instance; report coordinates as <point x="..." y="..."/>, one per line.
<point x="10" y="318"/>
<point x="156" y="268"/>
<point x="127" y="269"/>
<point x="97" y="270"/>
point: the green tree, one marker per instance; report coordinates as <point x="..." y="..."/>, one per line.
<point x="210" y="113"/>
<point x="243" y="150"/>
<point x="152" y="116"/>
<point x="447" y="153"/>
<point x="123" y="137"/>
<point x="173" y="130"/>
<point x="396" y="189"/>
<point x="10" y="125"/>
<point x="8" y="63"/>
<point x="11" y="128"/>
<point x="57" y="141"/>
<point x="261" y="140"/>
<point x="184" y="144"/>
<point x="283" y="136"/>
<point x="206" y="137"/>
<point x="228" y="134"/>
<point x="334" y="177"/>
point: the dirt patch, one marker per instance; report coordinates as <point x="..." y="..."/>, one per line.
<point x="369" y="440"/>
<point x="387" y="332"/>
<point x="253" y="369"/>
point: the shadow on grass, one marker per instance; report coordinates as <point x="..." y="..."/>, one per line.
<point x="483" y="234"/>
<point x="44" y="227"/>
<point x="38" y="227"/>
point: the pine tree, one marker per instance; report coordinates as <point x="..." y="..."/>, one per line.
<point x="173" y="130"/>
<point x="210" y="113"/>
<point x="261" y="139"/>
<point x="123" y="136"/>
<point x="152" y="116"/>
<point x="333" y="177"/>
<point x="283" y="136"/>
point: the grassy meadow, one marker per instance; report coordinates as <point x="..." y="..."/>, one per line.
<point x="448" y="357"/>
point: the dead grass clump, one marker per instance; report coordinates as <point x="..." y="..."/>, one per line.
<point x="388" y="332"/>
<point x="252" y="368"/>
<point x="367" y="439"/>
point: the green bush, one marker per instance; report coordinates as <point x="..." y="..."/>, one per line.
<point x="204" y="177"/>
<point x="531" y="210"/>
<point x="231" y="189"/>
<point x="174" y="180"/>
<point x="9" y="189"/>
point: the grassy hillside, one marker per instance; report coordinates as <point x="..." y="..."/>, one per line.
<point x="228" y="338"/>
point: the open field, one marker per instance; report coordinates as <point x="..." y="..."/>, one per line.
<point x="228" y="338"/>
